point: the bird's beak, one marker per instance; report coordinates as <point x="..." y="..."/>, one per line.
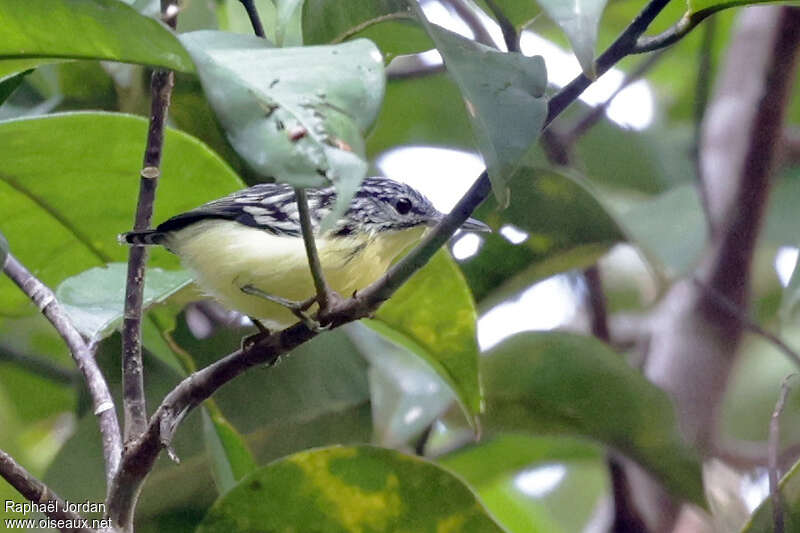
<point x="475" y="225"/>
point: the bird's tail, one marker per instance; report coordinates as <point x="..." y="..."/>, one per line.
<point x="143" y="237"/>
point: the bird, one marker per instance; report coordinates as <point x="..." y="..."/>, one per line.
<point x="246" y="249"/>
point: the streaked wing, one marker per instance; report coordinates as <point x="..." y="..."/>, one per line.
<point x="266" y="206"/>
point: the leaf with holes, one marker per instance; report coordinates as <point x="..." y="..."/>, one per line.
<point x="349" y="489"/>
<point x="63" y="208"/>
<point x="504" y="97"/>
<point x="45" y="31"/>
<point x="294" y="114"/>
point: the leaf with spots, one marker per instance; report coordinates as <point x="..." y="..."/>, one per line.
<point x="297" y="115"/>
<point x="350" y="489"/>
<point x="433" y="315"/>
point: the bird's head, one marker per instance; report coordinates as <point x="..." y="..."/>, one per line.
<point x="382" y="205"/>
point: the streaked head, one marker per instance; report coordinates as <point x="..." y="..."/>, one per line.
<point x="382" y="204"/>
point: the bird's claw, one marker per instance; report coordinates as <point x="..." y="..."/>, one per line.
<point x="298" y="309"/>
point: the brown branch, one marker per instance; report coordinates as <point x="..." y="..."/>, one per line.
<point x="472" y="20"/>
<point x="82" y="353"/>
<point x="134" y="407"/>
<point x="774" y="443"/>
<point x="255" y="20"/>
<point x="40" y="494"/>
<point x="510" y="35"/>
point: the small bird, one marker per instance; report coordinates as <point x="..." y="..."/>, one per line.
<point x="247" y="251"/>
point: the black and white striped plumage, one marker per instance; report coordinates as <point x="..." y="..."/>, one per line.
<point x="380" y="204"/>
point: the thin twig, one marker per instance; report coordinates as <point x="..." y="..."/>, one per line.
<point x="734" y="310"/>
<point x="594" y="115"/>
<point x="200" y="385"/>
<point x="621" y="47"/>
<point x="39" y="365"/>
<point x="472" y="20"/>
<point x="82" y="353"/>
<point x="40" y="494"/>
<point x="510" y="35"/>
<point x="134" y="407"/>
<point x="774" y="443"/>
<point x="323" y="293"/>
<point x="255" y="20"/>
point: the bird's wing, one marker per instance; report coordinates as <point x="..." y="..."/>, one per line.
<point x="266" y="206"/>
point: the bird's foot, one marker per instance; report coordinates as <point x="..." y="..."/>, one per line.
<point x="298" y="309"/>
<point x="250" y="340"/>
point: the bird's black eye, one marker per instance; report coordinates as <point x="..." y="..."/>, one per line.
<point x="403" y="206"/>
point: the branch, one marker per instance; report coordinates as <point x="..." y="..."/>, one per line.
<point x="323" y="293"/>
<point x="255" y="20"/>
<point x="624" y="45"/>
<point x="135" y="410"/>
<point x="510" y="35"/>
<point x="82" y="353"/>
<point x="38" y="493"/>
<point x="774" y="442"/>
<point x="704" y="76"/>
<point x="735" y="311"/>
<point x="471" y="18"/>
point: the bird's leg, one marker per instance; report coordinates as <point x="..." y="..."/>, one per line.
<point x="297" y="308"/>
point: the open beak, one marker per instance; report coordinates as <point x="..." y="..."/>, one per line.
<point x="475" y="225"/>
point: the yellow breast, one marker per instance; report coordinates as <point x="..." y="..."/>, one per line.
<point x="225" y="256"/>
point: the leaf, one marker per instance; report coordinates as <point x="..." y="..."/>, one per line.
<point x="670" y="228"/>
<point x="406" y="394"/>
<point x="9" y="84"/>
<point x="562" y="383"/>
<point x="294" y="114"/>
<point x="761" y="521"/>
<point x="504" y="97"/>
<point x="579" y="20"/>
<point x="349" y="489"/>
<point x="95" y="299"/>
<point x="434" y="317"/>
<point x="567" y="228"/>
<point x="45" y="30"/>
<point x="63" y="209"/>
<point x="288" y="31"/>
<point x="231" y="459"/>
<point x="389" y="23"/>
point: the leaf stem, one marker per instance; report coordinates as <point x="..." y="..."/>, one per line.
<point x="82" y="353"/>
<point x="255" y="20"/>
<point x="37" y="492"/>
<point x="134" y="407"/>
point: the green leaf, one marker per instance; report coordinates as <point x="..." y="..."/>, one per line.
<point x="670" y="228"/>
<point x="433" y="316"/>
<point x="294" y="114"/>
<point x="504" y="97"/>
<point x="9" y="84"/>
<point x="406" y="394"/>
<point x="46" y="30"/>
<point x="563" y="383"/>
<point x="389" y="23"/>
<point x="579" y="20"/>
<point x="231" y="459"/>
<point x="761" y="521"/>
<point x="288" y="31"/>
<point x="567" y="228"/>
<point x="95" y="299"/>
<point x="349" y="489"/>
<point x="63" y="209"/>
